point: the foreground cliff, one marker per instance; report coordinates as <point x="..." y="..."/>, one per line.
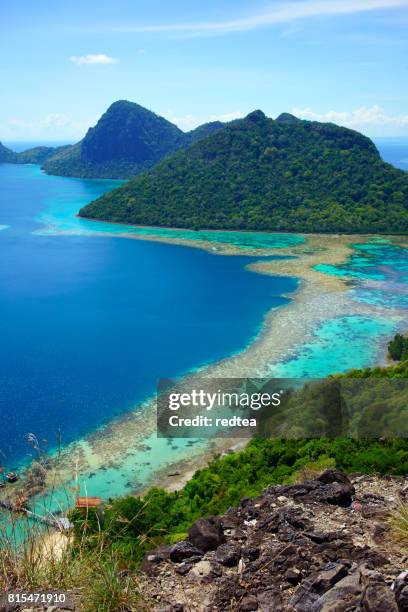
<point x="325" y="544"/>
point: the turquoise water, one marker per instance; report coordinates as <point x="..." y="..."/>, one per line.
<point x="88" y="324"/>
<point x="339" y="345"/>
<point x="60" y="209"/>
<point x="61" y="219"/>
<point x="377" y="260"/>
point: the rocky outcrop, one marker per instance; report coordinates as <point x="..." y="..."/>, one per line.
<point x="207" y="534"/>
<point x="319" y="546"/>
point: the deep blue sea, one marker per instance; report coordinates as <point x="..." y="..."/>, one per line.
<point x="394" y="151"/>
<point x="88" y="324"/>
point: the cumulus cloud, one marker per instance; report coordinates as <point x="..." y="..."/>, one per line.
<point x="364" y="118"/>
<point x="99" y="58"/>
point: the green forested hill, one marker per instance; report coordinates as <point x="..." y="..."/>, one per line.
<point x="257" y="173"/>
<point x="127" y="139"/>
<point x="6" y="155"/>
<point x="38" y="155"/>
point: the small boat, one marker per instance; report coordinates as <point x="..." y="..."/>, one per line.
<point x="12" y="477"/>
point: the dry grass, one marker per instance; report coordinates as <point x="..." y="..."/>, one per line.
<point x="312" y="470"/>
<point x="398" y="522"/>
<point x="38" y="556"/>
<point x="45" y="559"/>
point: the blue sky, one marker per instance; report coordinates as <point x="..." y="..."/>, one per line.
<point x="63" y="63"/>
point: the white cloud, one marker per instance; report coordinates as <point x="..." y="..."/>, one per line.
<point x="99" y="58"/>
<point x="53" y="126"/>
<point x="372" y="119"/>
<point x="282" y="13"/>
<point x="184" y="122"/>
<point x="226" y="116"/>
<point x="373" y="115"/>
<point x="189" y="122"/>
<point x="56" y="120"/>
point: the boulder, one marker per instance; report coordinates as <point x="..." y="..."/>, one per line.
<point x="332" y="487"/>
<point x="400" y="588"/>
<point x="332" y="573"/>
<point x="184" y="550"/>
<point x="293" y="575"/>
<point x="337" y="488"/>
<point x="378" y="598"/>
<point x="206" y="534"/>
<point x="343" y="596"/>
<point x="248" y="604"/>
<point x="228" y="554"/>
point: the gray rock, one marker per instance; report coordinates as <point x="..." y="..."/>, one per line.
<point x="248" y="604"/>
<point x="206" y="534"/>
<point x="304" y="598"/>
<point x="332" y="487"/>
<point x="332" y="573"/>
<point x="378" y="598"/>
<point x="201" y="569"/>
<point x="345" y="594"/>
<point x="402" y="599"/>
<point x="184" y="550"/>
<point x="400" y="588"/>
<point x="293" y="575"/>
<point x="228" y="554"/>
<point x="270" y="601"/>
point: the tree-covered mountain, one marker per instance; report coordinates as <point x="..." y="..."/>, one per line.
<point x="127" y="139"/>
<point x="202" y="131"/>
<point x="7" y="155"/>
<point x="264" y="174"/>
<point x="38" y="155"/>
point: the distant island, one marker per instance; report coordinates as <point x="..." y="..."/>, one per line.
<point x="263" y="174"/>
<point x="127" y="139"/>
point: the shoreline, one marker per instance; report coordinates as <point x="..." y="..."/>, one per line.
<point x="318" y="297"/>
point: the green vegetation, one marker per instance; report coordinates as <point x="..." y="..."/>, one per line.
<point x="7" y="155"/>
<point x="38" y="155"/>
<point x="261" y="174"/>
<point x="133" y="525"/>
<point x="126" y="140"/>
<point x="398" y="348"/>
<point x="107" y="547"/>
<point x="398" y="522"/>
